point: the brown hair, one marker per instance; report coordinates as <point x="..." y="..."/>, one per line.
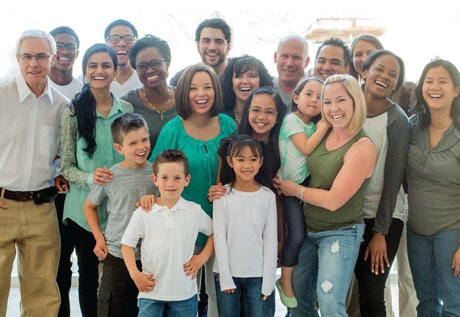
<point x="183" y="107"/>
<point x="170" y="156"/>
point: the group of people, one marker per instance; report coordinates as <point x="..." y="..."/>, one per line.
<point x="211" y="181"/>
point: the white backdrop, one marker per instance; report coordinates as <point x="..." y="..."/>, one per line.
<point x="415" y="30"/>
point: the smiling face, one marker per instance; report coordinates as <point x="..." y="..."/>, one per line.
<point x="66" y="52"/>
<point x="291" y="60"/>
<point x="35" y="71"/>
<point x="170" y="180"/>
<point x="121" y="48"/>
<point x="213" y="47"/>
<point x="135" y="148"/>
<point x="246" y="165"/>
<point x="382" y="76"/>
<point x="338" y="106"/>
<point x="100" y="71"/>
<point x="262" y="116"/>
<point x="245" y="83"/>
<point x="361" y="52"/>
<point x="152" y="78"/>
<point x="201" y="93"/>
<point x="309" y="99"/>
<point x="439" y="90"/>
<point x="330" y="61"/>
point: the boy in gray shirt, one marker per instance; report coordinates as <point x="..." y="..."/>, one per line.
<point x="132" y="179"/>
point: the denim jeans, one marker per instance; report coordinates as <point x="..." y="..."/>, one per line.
<point x="228" y="305"/>
<point x="324" y="271"/>
<point x="157" y="308"/>
<point x="430" y="259"/>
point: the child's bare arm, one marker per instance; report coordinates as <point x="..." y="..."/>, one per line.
<point x="144" y="282"/>
<point x="308" y="145"/>
<point x="197" y="261"/>
<point x="90" y="209"/>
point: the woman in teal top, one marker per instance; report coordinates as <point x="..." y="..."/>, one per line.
<point x="339" y="168"/>
<point x="197" y="131"/>
<point x="87" y="151"/>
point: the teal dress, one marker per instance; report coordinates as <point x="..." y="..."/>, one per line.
<point x="78" y="167"/>
<point x="202" y="157"/>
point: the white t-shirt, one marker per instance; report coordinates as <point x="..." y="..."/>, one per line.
<point x="168" y="241"/>
<point x="245" y="237"/>
<point x="119" y="90"/>
<point x="69" y="90"/>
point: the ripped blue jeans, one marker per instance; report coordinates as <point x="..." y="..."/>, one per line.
<point x="326" y="263"/>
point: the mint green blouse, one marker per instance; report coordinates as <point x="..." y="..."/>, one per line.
<point x="78" y="168"/>
<point x="202" y="157"/>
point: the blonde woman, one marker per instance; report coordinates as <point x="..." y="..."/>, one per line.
<point x="339" y="168"/>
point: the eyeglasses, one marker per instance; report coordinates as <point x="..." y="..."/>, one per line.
<point x="154" y="64"/>
<point x="40" y="57"/>
<point x="60" y="46"/>
<point x="268" y="112"/>
<point x="115" y="38"/>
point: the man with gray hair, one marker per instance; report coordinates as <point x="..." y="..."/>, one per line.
<point x="30" y="112"/>
<point x="291" y="59"/>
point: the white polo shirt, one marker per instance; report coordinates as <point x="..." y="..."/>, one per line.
<point x="168" y="241"/>
<point x="29" y="135"/>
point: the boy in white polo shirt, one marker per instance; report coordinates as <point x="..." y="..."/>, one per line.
<point x="168" y="232"/>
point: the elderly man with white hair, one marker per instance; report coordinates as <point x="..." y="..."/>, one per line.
<point x="30" y="112"/>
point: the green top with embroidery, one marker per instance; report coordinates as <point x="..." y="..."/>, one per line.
<point x="78" y="167"/>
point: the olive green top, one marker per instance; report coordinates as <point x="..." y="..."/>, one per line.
<point x="324" y="166"/>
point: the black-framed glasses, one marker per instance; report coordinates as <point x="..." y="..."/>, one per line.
<point x="115" y="38"/>
<point x="154" y="64"/>
<point x="60" y="46"/>
<point x="40" y="57"/>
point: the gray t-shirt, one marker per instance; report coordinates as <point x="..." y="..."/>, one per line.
<point x="152" y="117"/>
<point x="433" y="176"/>
<point x="287" y="98"/>
<point x="122" y="193"/>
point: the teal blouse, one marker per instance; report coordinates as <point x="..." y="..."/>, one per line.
<point x="202" y="157"/>
<point x="78" y="168"/>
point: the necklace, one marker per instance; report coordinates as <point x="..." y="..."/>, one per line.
<point x="161" y="113"/>
<point x="236" y="117"/>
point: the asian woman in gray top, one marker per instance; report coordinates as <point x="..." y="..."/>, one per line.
<point x="433" y="173"/>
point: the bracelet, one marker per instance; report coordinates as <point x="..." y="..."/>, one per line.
<point x="300" y="191"/>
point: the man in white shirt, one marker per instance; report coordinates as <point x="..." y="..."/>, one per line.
<point x="121" y="35"/>
<point x="291" y="59"/>
<point x="30" y="112"/>
<point x="61" y="75"/>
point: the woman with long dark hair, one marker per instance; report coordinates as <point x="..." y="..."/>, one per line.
<point x="87" y="153"/>
<point x="242" y="76"/>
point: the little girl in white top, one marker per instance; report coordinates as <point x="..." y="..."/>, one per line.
<point x="245" y="231"/>
<point x="299" y="137"/>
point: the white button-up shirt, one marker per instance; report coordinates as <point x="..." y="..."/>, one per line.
<point x="168" y="241"/>
<point x="29" y="135"/>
